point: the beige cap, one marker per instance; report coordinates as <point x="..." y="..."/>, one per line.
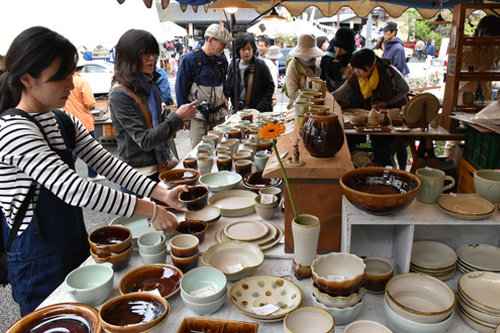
<point x="218" y="32"/>
<point x="274" y="53"/>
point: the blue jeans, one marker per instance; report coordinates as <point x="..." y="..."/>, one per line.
<point x="419" y="54"/>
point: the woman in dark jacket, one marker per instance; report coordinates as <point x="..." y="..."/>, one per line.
<point x="249" y="68"/>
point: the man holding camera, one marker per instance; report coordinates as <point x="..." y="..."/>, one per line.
<point x="202" y="76"/>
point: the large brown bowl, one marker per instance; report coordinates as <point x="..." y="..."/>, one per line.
<point x="71" y="317"/>
<point x="110" y="239"/>
<point x="176" y="177"/>
<point x="378" y="190"/>
<point x="165" y="278"/>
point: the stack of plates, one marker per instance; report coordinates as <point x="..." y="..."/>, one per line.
<point x="433" y="258"/>
<point x="261" y="233"/>
<point x="478" y="257"/>
<point x="265" y="298"/>
<point x="478" y="300"/>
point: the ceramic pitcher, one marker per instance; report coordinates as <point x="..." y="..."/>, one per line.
<point x="322" y="134"/>
<point x="305" y="230"/>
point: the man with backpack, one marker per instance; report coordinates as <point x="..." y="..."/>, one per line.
<point x="201" y="76"/>
<point x="419" y="47"/>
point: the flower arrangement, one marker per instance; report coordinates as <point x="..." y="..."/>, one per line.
<point x="273" y="131"/>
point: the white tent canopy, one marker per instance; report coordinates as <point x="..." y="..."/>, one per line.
<point x="169" y="31"/>
<point x="277" y="28"/>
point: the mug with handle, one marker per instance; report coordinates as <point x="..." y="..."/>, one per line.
<point x="432" y="184"/>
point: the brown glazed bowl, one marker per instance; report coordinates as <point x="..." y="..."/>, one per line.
<point x="110" y="239"/>
<point x="379" y="190"/>
<point x="134" y="312"/>
<point x="176" y="177"/>
<point x="193" y="227"/>
<point x="254" y="181"/>
<point x="73" y="317"/>
<point x="165" y="278"/>
<point x="119" y="260"/>
<point x="192" y="324"/>
<point x="195" y="198"/>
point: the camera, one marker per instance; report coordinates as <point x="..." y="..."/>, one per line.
<point x="203" y="107"/>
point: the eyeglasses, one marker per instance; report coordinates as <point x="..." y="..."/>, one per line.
<point x="146" y="55"/>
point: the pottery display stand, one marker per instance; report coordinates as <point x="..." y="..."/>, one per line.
<point x="315" y="185"/>
<point x="422" y="122"/>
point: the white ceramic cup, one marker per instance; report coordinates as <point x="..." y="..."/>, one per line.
<point x="152" y="242"/>
<point x="156" y="258"/>
<point x="260" y="159"/>
<point x="205" y="164"/>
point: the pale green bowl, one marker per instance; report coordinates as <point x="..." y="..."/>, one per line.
<point x="90" y="284"/>
<point x="203" y="277"/>
<point x="220" y="181"/>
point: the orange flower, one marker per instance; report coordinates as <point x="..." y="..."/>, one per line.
<point x="271" y="131"/>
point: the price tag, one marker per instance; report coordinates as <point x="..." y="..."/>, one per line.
<point x="283" y="271"/>
<point x="428" y="168"/>
<point x="202" y="292"/>
<point x="235" y="268"/>
<point x="335" y="277"/>
<point x="266" y="198"/>
<point x="265" y="310"/>
<point x="453" y="194"/>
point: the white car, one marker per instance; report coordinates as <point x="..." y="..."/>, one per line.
<point x="98" y="73"/>
<point x="408" y="53"/>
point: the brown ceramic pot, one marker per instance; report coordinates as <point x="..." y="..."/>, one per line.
<point x="322" y="134"/>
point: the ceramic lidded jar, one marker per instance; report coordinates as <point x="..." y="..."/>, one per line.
<point x="322" y="134"/>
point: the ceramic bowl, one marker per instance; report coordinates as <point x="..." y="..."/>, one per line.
<point x="162" y="277"/>
<point x="266" y="213"/>
<point x="477" y="313"/>
<point x="154" y="258"/>
<point x="378" y="272"/>
<point x="309" y="319"/>
<point x="338" y="274"/>
<point x="152" y="242"/>
<point x="84" y="318"/>
<point x="358" y="118"/>
<point x="203" y="285"/>
<point x="399" y="324"/>
<point x="234" y="258"/>
<point x="176" y="177"/>
<point x="487" y="184"/>
<point x="195" y="198"/>
<point x="271" y="190"/>
<point x="223" y="128"/>
<point x="134" y="312"/>
<point x="190" y="325"/>
<point x="193" y="227"/>
<point x="209" y="214"/>
<point x="254" y="181"/>
<point x="118" y="260"/>
<point x="338" y="302"/>
<point x="420" y="297"/>
<point x="90" y="284"/>
<point x="378" y="190"/>
<point x="363" y="326"/>
<point x="184" y="245"/>
<point x="482" y="290"/>
<point x="341" y="316"/>
<point x="110" y="239"/>
<point x="185" y="264"/>
<point x="205" y="309"/>
<point x="220" y="181"/>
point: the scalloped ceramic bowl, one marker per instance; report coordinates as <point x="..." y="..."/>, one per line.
<point x="203" y="285"/>
<point x="341" y="316"/>
<point x="309" y="319"/>
<point x="162" y="277"/>
<point x="220" y="181"/>
<point x="338" y="302"/>
<point x="235" y="259"/>
<point x="175" y="177"/>
<point x="338" y="274"/>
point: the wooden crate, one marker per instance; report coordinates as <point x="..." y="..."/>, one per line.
<point x="466" y="177"/>
<point x="108" y="131"/>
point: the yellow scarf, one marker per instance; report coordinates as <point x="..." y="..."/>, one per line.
<point x="369" y="84"/>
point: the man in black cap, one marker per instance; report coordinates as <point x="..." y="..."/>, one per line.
<point x="394" y="47"/>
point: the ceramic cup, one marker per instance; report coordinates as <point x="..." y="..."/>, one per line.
<point x="244" y="122"/>
<point x="156" y="258"/>
<point x="184" y="245"/>
<point x="224" y="162"/>
<point x="222" y="128"/>
<point x="317" y="101"/>
<point x="195" y="198"/>
<point x="207" y="145"/>
<point x="265" y="144"/>
<point x="260" y="159"/>
<point x="202" y="152"/>
<point x="243" y="130"/>
<point x="234" y="133"/>
<point x="310" y="80"/>
<point x="242" y="156"/>
<point x="432" y="184"/>
<point x="190" y="163"/>
<point x="219" y="134"/>
<point x="468" y="97"/>
<point x="266" y="210"/>
<point x="152" y="242"/>
<point x="211" y="138"/>
<point x="205" y="164"/>
<point x="305" y="231"/>
<point x="232" y="144"/>
<point x="301" y="108"/>
<point x="223" y="150"/>
<point x="186" y="263"/>
<point x="378" y="272"/>
<point x="487" y="184"/>
<point x="193" y="227"/>
<point x="247" y="150"/>
<point x="252" y="146"/>
<point x="300" y="121"/>
<point x="243" y="167"/>
<point x="320" y="85"/>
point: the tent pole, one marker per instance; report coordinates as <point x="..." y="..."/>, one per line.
<point x="232" y="22"/>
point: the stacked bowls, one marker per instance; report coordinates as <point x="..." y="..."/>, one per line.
<point x="433" y="258"/>
<point x="478" y="300"/>
<point x="337" y="285"/>
<point x="417" y="302"/>
<point x="204" y="290"/>
<point x="112" y="244"/>
<point x="478" y="257"/>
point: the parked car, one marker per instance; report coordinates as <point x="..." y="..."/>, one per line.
<point x="98" y="73"/>
<point x="281" y="66"/>
<point x="408" y="53"/>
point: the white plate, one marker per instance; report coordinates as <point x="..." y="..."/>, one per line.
<point x="220" y="237"/>
<point x="466" y="206"/>
<point x="234" y="203"/>
<point x="432" y="255"/>
<point x="482" y="289"/>
<point x="246" y="230"/>
<point x="268" y="237"/>
<point x="480" y="256"/>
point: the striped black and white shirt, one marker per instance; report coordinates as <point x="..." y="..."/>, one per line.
<point x="26" y="156"/>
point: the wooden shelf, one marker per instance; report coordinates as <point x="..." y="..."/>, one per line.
<point x="487" y="75"/>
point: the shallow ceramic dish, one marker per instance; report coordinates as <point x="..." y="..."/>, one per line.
<point x="209" y="214"/>
<point x="203" y="285"/>
<point x="260" y="290"/>
<point x="373" y="129"/>
<point x="480" y="256"/>
<point x="235" y="259"/>
<point x="420" y="297"/>
<point x="423" y="105"/>
<point x="338" y="274"/>
<point x="378" y="190"/>
<point x="353" y="111"/>
<point x="70" y="317"/>
<point x="476" y="324"/>
<point x="205" y="309"/>
<point x="308" y="319"/>
<point x="246" y="230"/>
<point x="220" y="181"/>
<point x="465" y="206"/>
<point x="363" y="326"/>
<point x="254" y="181"/>
<point x="432" y="255"/>
<point x="477" y="314"/>
<point x="263" y="243"/>
<point x="341" y="316"/>
<point x="234" y="203"/>
<point x="162" y="277"/>
<point x="272" y="231"/>
<point x="338" y="302"/>
<point x="481" y="289"/>
<point x="190" y="325"/>
<point x="90" y="284"/>
<point x="176" y="177"/>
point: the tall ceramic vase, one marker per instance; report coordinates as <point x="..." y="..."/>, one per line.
<point x="305" y="230"/>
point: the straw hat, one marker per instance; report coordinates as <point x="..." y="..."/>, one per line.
<point x="274" y="53"/>
<point x="306" y="48"/>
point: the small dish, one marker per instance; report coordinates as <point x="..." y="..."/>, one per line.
<point x="432" y="255"/>
<point x="363" y="326"/>
<point x="483" y="257"/>
<point x="373" y="129"/>
<point x="175" y="177"/>
<point x="190" y="325"/>
<point x="465" y="206"/>
<point x="254" y="181"/>
<point x="234" y="203"/>
<point x="162" y="277"/>
<point x="475" y="323"/>
<point x="246" y="230"/>
<point x="209" y="214"/>
<point x="482" y="289"/>
<point x="220" y="181"/>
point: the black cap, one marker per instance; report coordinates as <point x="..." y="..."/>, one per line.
<point x="389" y="26"/>
<point x="344" y="38"/>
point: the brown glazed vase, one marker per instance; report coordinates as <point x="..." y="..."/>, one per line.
<point x="322" y="134"/>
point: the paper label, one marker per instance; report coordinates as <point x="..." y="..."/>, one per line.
<point x="428" y="168"/>
<point x="266" y="198"/>
<point x="453" y="194"/>
<point x="335" y="277"/>
<point x="235" y="268"/>
<point x="283" y="271"/>
<point x="202" y="292"/>
<point x="265" y="310"/>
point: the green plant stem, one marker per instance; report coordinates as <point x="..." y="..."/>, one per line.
<point x="278" y="157"/>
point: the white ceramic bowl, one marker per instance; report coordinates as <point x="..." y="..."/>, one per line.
<point x="220" y="181"/>
<point x="235" y="259"/>
<point x="341" y="316"/>
<point x="207" y="308"/>
<point x="203" y="285"/>
<point x="90" y="284"/>
<point x="309" y="319"/>
<point x="399" y="324"/>
<point x="364" y="326"/>
<point x="338" y="302"/>
<point x="338" y="274"/>
<point x="420" y="297"/>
